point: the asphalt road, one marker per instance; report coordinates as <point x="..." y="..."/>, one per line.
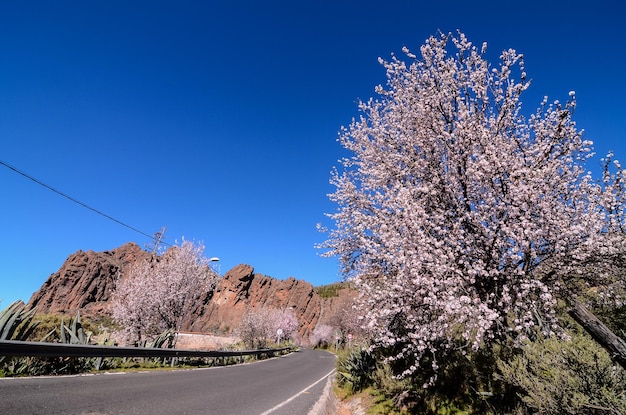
<point x="288" y="385"/>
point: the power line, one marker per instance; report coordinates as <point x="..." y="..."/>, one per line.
<point x="39" y="182"/>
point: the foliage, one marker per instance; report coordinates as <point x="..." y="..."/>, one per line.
<point x="259" y="325"/>
<point x="371" y="400"/>
<point x="340" y="313"/>
<point x="162" y="340"/>
<point x="16" y="322"/>
<point x="49" y="327"/>
<point x="323" y="336"/>
<point x="71" y="333"/>
<point x="609" y="307"/>
<point x="548" y="376"/>
<point x="567" y="377"/>
<point x="465" y="384"/>
<point x="330" y="290"/>
<point x="460" y="221"/>
<point x="157" y="295"/>
<point x="354" y="369"/>
<point x="390" y="386"/>
<point x="74" y="333"/>
<point x="285" y="322"/>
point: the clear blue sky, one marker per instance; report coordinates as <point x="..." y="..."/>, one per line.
<point x="219" y="119"/>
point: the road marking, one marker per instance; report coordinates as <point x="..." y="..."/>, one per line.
<point x="303" y="391"/>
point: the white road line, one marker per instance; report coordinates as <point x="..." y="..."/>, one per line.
<point x="269" y="411"/>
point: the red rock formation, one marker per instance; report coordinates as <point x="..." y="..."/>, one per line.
<point x="240" y="289"/>
<point x="85" y="281"/>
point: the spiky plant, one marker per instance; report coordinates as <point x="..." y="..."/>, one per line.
<point x="74" y="332"/>
<point x="16" y="322"/>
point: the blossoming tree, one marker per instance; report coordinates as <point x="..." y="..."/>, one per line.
<point x="284" y="324"/>
<point x="460" y="220"/>
<point x="157" y="295"/>
<point x="257" y="325"/>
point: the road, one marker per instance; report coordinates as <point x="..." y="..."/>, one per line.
<point x="286" y="385"/>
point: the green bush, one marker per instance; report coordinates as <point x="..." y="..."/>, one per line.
<point x="566" y="377"/>
<point x="465" y="383"/>
<point x="330" y="290"/>
<point x="49" y="327"/>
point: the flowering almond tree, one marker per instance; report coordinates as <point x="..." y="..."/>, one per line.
<point x="323" y="335"/>
<point x="260" y="324"/>
<point x="284" y="324"/>
<point x="460" y="220"/>
<point x="157" y="295"/>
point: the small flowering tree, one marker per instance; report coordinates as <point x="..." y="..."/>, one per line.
<point x="284" y="322"/>
<point x="461" y="220"/>
<point x="157" y="295"/>
<point x="254" y="328"/>
<point x="323" y="335"/>
<point x="260" y="324"/>
<point x="344" y="318"/>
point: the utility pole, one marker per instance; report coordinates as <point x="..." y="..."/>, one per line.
<point x="156" y="240"/>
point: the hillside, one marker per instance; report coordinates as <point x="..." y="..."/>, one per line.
<point x="86" y="281"/>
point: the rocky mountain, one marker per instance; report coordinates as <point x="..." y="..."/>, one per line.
<point x="86" y="281"/>
<point x="241" y="289"/>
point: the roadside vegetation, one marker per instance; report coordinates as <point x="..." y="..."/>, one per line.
<point x="571" y="375"/>
<point x="16" y="323"/>
<point x="148" y="307"/>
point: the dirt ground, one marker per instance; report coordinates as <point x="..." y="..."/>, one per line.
<point x="350" y="407"/>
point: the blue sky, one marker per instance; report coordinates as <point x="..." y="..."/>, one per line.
<point x="219" y="119"/>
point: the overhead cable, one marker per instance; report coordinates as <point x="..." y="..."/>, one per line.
<point x="39" y="182"/>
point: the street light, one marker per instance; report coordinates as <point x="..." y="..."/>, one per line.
<point x="216" y="268"/>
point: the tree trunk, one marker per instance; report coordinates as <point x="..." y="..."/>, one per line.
<point x="601" y="333"/>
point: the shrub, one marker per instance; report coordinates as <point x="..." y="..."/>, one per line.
<point x="355" y="368"/>
<point x="330" y="290"/>
<point x="566" y="377"/>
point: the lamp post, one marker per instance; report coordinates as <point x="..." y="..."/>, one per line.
<point x="215" y="268"/>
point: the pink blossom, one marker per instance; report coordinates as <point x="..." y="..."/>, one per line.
<point x="157" y="295"/>
<point x="457" y="213"/>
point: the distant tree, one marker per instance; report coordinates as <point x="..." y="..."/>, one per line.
<point x="260" y="324"/>
<point x="461" y="220"/>
<point x="323" y="335"/>
<point x="344" y="317"/>
<point x="255" y="327"/>
<point x="285" y="322"/>
<point x="157" y="295"/>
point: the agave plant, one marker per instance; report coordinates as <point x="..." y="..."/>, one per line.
<point x="16" y="323"/>
<point x="355" y="369"/>
<point x="160" y="341"/>
<point x="74" y="332"/>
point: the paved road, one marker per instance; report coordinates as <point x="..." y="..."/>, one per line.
<point x="281" y="386"/>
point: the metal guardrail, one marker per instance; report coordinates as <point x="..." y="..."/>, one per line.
<point x="42" y="349"/>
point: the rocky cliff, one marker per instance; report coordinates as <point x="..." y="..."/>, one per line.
<point x="86" y="280"/>
<point x="240" y="289"/>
